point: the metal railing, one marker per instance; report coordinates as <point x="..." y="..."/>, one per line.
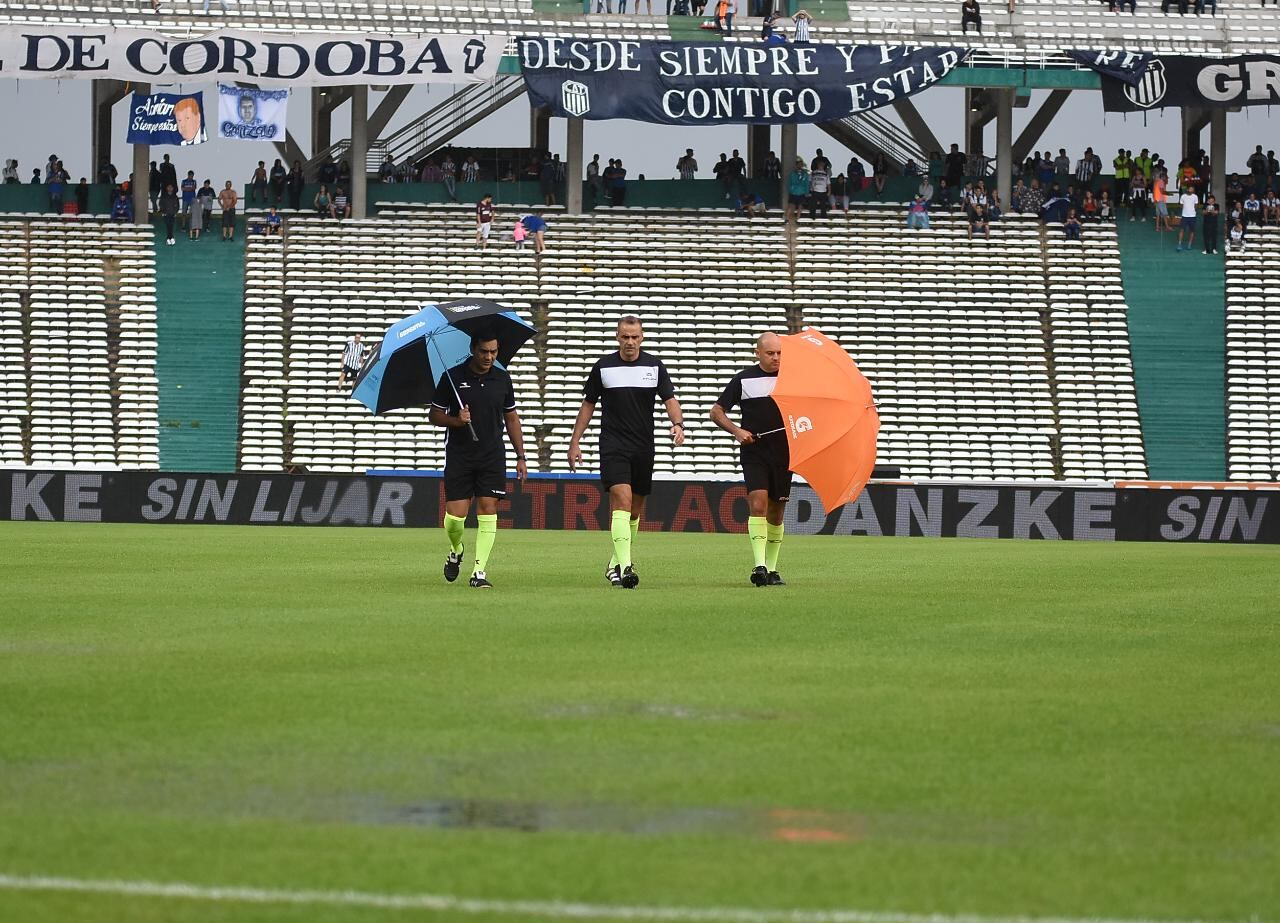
<point x="433" y="128"/>
<point x="878" y="131"/>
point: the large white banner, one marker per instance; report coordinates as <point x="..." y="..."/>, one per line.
<point x="247" y="114"/>
<point x="262" y="59"/>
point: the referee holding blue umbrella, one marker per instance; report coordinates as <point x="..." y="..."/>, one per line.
<point x="452" y="356"/>
<point x="479" y="397"/>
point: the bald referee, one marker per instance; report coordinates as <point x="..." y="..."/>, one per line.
<point x="626" y="382"/>
<point x="763" y="452"/>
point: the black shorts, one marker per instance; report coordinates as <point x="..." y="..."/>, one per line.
<point x="634" y="468"/>
<point x="466" y="479"/>
<point x="350" y="372"/>
<point x="767" y="475"/>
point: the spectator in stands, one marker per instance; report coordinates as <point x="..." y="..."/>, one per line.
<point x="35" y="177"/>
<point x="1235" y="238"/>
<point x="1187" y="224"/>
<point x="1270" y="208"/>
<point x="819" y="192"/>
<point x="50" y="167"/>
<point x="484" y="220"/>
<point x="1133" y="4"/>
<point x="721" y="173"/>
<point x="1182" y="6"/>
<point x="1235" y="212"/>
<point x="1033" y="199"/>
<point x="82" y="196"/>
<point x="840" y="193"/>
<point x="107" y="172"/>
<point x="617" y="188"/>
<point x="769" y="33"/>
<point x="449" y="176"/>
<point x="11" y="172"/>
<point x="1071" y="227"/>
<point x="273" y="222"/>
<point x="737" y="170"/>
<point x="195" y="219"/>
<point x="978" y="222"/>
<point x="294" y="184"/>
<point x="328" y="173"/>
<point x="772" y="167"/>
<point x="547" y="182"/>
<point x="1253" y="210"/>
<point x="322" y="201"/>
<point x="593" y="180"/>
<point x="879" y="172"/>
<point x="536" y="225"/>
<point x="1086" y="169"/>
<point x="1213" y="6"/>
<point x="189" y="187"/>
<point x="258" y="184"/>
<point x="925" y="189"/>
<point x="169" y="211"/>
<point x="750" y="204"/>
<point x="56" y="189"/>
<point x="944" y="194"/>
<point x="918" y="213"/>
<point x="1089" y="208"/>
<point x="857" y="175"/>
<point x="802" y="21"/>
<point x="387" y="170"/>
<point x="122" y="208"/>
<point x="518" y="233"/>
<point x="686" y="166"/>
<point x="970" y="13"/>
<point x="470" y="169"/>
<point x="1211" y="230"/>
<point x="228" y="198"/>
<point x="344" y="173"/>
<point x="1106" y="206"/>
<point x="277" y="178"/>
<point x="797" y="189"/>
<point x="205" y="197"/>
<point x="154" y="185"/>
<point x="352" y="358"/>
<point x="1160" y="197"/>
<point x="819" y="162"/>
<point x="955" y="166"/>
<point x="340" y="207"/>
<point x="1235" y="188"/>
<point x="1016" y="195"/>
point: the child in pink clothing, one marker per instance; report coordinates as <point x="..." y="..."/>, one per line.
<point x="518" y="234"/>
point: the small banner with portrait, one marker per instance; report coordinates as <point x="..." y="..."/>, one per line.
<point x="250" y="114"/>
<point x="166" y="118"/>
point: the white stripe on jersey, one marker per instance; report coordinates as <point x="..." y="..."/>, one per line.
<point x="351" y="355"/>
<point x="630" y="376"/>
<point x="758" y="387"/>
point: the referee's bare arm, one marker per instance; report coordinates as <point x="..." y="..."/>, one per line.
<point x="439" y="417"/>
<point x="579" y="427"/>
<point x="677" y="420"/>
<point x="517" y="441"/>
<point x="721" y="419"/>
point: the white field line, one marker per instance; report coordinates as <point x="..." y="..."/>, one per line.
<point x="557" y="910"/>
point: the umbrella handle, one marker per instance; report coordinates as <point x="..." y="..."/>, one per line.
<point x="471" y="429"/>
<point x="770" y="432"/>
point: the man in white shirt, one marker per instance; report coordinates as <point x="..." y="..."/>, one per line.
<point x="1188" y="200"/>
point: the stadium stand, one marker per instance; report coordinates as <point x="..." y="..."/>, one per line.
<point x="964" y="379"/>
<point x="1253" y="359"/>
<point x="81" y="297"/>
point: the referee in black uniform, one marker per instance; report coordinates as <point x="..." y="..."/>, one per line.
<point x="481" y="395"/>
<point x="627" y="383"/>
<point x="762" y="448"/>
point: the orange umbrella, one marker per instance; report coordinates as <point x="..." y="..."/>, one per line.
<point x="830" y="416"/>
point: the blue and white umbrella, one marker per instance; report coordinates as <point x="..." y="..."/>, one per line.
<point x="418" y="351"/>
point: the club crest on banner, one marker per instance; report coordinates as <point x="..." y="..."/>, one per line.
<point x="1149" y="90"/>
<point x="576" y="98"/>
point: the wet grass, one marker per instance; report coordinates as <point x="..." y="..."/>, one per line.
<point x="912" y="725"/>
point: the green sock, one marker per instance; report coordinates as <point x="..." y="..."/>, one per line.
<point x="774" y="545"/>
<point x="756" y="531"/>
<point x="453" y="526"/>
<point x="620" y="529"/>
<point x="635" y="530"/>
<point x="486" y="533"/>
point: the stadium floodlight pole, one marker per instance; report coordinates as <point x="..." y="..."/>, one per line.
<point x="470" y="428"/>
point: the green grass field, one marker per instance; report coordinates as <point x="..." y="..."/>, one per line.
<point x="920" y="726"/>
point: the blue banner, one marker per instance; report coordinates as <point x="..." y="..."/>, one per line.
<point x="697" y="83"/>
<point x="249" y="114"/>
<point x="1125" y="66"/>
<point x="166" y="118"/>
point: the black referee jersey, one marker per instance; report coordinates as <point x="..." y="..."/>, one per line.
<point x="752" y="388"/>
<point x="626" y="392"/>
<point x="490" y="397"/>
